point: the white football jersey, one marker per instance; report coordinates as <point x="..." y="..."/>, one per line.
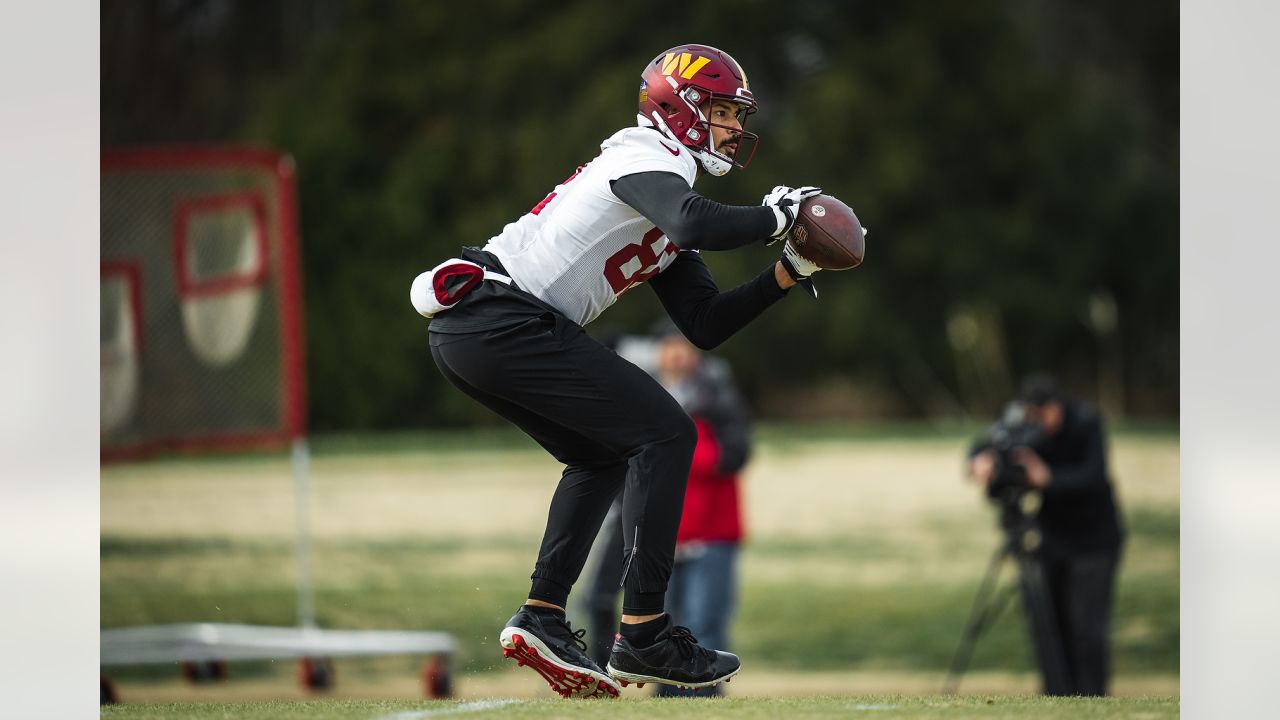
<point x="582" y="247"/>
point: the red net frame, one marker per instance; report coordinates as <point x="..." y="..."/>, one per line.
<point x="282" y="224"/>
<point x="131" y="274"/>
<point x="187" y="210"/>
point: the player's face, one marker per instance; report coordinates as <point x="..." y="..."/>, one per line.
<point x="726" y="126"/>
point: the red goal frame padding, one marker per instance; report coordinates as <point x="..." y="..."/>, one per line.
<point x="131" y="273"/>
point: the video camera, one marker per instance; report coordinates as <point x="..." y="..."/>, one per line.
<point x="1012" y="430"/>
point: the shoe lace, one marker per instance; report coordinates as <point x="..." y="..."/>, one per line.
<point x="684" y="640"/>
<point x="576" y="635"/>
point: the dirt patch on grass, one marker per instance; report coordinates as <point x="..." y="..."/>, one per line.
<point x="896" y="488"/>
<point x="900" y="487"/>
<point x="455" y="496"/>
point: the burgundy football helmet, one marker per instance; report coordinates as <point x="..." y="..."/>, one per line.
<point x="675" y="86"/>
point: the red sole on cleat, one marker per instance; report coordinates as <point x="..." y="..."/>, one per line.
<point x="566" y="681"/>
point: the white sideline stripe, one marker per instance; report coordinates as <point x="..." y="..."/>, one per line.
<point x="476" y="706"/>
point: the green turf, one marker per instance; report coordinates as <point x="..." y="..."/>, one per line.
<point x="916" y="623"/>
<point x="910" y="623"/>
<point x="890" y="595"/>
<point x="872" y="706"/>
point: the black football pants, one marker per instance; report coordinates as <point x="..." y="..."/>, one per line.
<point x="609" y="422"/>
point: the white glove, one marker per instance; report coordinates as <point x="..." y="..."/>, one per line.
<point x="800" y="269"/>
<point x="785" y="203"/>
<point x="803" y="266"/>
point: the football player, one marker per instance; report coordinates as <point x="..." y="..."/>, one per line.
<point x="507" y="329"/>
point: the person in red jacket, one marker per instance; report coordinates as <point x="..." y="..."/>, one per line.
<point x="702" y="591"/>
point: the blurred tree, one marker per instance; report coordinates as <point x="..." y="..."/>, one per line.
<point x="1015" y="161"/>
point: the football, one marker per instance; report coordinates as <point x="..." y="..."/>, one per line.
<point x="828" y="234"/>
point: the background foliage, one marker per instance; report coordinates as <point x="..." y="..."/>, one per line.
<point x="1015" y="160"/>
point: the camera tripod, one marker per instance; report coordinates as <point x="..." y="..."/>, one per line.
<point x="1020" y="534"/>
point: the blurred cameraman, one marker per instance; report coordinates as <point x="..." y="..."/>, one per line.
<point x="1061" y="452"/>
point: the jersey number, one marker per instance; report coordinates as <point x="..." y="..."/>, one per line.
<point x="632" y="264"/>
<point x="637" y="263"/>
<point x="551" y="195"/>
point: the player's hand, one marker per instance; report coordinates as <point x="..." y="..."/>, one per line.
<point x="785" y="202"/>
<point x="799" y="268"/>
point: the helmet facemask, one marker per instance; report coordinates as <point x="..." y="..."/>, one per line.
<point x="713" y="158"/>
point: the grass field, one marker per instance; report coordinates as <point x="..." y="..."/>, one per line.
<point x="865" y="551"/>
<point x="871" y="706"/>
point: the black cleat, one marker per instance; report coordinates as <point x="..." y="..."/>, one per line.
<point x="547" y="645"/>
<point x="675" y="658"/>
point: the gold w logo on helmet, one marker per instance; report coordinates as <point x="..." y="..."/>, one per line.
<point x="688" y="67"/>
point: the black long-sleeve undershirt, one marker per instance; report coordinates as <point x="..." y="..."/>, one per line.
<point x="690" y="220"/>
<point x="706" y="316"/>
